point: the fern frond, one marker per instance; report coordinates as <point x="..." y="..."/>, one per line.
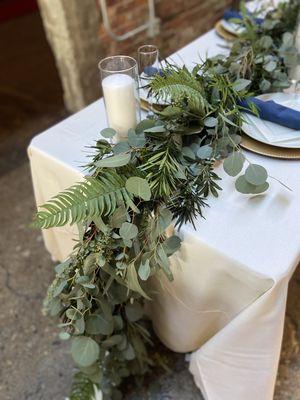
<point x="178" y="85"/>
<point x="87" y="199"/>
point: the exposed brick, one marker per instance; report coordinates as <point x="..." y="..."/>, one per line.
<point x="181" y="22"/>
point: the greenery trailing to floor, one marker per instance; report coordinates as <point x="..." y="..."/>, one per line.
<point x="136" y="189"/>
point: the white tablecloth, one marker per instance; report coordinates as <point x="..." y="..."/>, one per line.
<point x="227" y="302"/>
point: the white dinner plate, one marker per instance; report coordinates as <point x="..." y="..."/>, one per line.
<point x="269" y="132"/>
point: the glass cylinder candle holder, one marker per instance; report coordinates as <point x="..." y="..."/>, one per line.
<point x="119" y="79"/>
<point x="148" y="67"/>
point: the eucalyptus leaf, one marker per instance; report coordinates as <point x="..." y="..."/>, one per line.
<point x="139" y="187"/>
<point x="60" y="288"/>
<point x="127" y="243"/>
<point x="108" y="132"/>
<point x="188" y="152"/>
<point x="133" y="282"/>
<point x="288" y="39"/>
<point x="241" y="84"/>
<point x="73" y="314"/>
<point x="134" y="312"/>
<point x="64" y="336"/>
<point x="144" y="125"/>
<point x="54" y="307"/>
<point x="129" y="353"/>
<point x="79" y="326"/>
<point x="118" y="217"/>
<point x="163" y="261"/>
<point x="118" y="322"/>
<point x="119" y="160"/>
<point x="136" y="140"/>
<point x="62" y="267"/>
<point x="89" y="265"/>
<point x="121" y="147"/>
<point x="204" y="152"/>
<point x="156" y="129"/>
<point x="265" y="85"/>
<point x="172" y="244"/>
<point x="128" y="231"/>
<point x="211" y="122"/>
<point x="256" y="174"/>
<point x="270" y="66"/>
<point x="112" y="341"/>
<point x="85" y="351"/>
<point x="144" y="270"/>
<point x="101" y="260"/>
<point x="266" y="42"/>
<point x="164" y="220"/>
<point x="88" y="285"/>
<point x="98" y="324"/>
<point x="233" y="164"/>
<point x="243" y="186"/>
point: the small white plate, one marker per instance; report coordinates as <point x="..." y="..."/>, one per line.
<point x="231" y="27"/>
<point x="269" y="132"/>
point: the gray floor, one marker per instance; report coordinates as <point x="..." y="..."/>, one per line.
<point x="34" y="364"/>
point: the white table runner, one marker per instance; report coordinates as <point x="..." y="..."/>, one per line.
<point x="227" y="303"/>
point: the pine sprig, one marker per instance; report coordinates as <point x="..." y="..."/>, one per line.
<point x="161" y="168"/>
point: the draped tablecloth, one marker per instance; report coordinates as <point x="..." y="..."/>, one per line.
<point x="227" y="302"/>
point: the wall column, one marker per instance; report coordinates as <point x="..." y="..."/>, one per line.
<point x="72" y="29"/>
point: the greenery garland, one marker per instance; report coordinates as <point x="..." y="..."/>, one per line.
<point x="137" y="188"/>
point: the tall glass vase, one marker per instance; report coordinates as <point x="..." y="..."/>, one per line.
<point x="119" y="79"/>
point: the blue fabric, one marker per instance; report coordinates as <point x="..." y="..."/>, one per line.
<point x="273" y="112"/>
<point x="151" y="71"/>
<point x="228" y="14"/>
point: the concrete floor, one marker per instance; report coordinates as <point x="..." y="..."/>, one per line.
<point x="34" y="364"/>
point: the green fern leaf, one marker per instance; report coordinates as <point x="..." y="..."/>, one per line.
<point x="87" y="199"/>
<point x="178" y="85"/>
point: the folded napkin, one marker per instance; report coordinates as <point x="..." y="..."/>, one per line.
<point x="228" y="14"/>
<point x="273" y="112"/>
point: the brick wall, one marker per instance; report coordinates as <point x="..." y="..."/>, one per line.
<point x="181" y="22"/>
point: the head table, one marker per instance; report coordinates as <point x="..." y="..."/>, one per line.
<point x="227" y="303"/>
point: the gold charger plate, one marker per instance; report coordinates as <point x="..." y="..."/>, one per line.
<point x="268" y="150"/>
<point x="224" y="33"/>
<point x="145" y="106"/>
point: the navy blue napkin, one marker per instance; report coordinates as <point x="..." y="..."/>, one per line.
<point x="151" y="71"/>
<point x="273" y="112"/>
<point x="228" y="14"/>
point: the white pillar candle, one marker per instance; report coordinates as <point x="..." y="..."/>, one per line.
<point x="120" y="102"/>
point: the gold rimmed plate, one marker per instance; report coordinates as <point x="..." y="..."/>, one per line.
<point x="221" y="31"/>
<point x="268" y="150"/>
<point x="145" y="106"/>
